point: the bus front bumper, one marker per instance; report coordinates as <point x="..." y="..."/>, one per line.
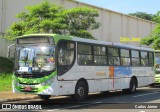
<point x="33" y="89"/>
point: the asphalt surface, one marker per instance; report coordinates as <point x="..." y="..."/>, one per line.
<point x="146" y="99"/>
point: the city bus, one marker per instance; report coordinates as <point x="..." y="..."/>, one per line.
<point x="157" y="68"/>
<point x="54" y="65"/>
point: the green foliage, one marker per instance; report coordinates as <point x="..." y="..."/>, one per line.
<point x="6" y="70"/>
<point x="150" y="17"/>
<point x="50" y="18"/>
<point x="142" y="15"/>
<point x="5" y="82"/>
<point x="156" y="17"/>
<point x="83" y="33"/>
<point x="80" y="20"/>
<point x="146" y="41"/>
<point x="153" y="38"/>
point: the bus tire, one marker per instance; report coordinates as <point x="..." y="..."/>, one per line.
<point x="152" y="85"/>
<point x="132" y="87"/>
<point x="44" y="97"/>
<point x="81" y="92"/>
<point x="105" y="92"/>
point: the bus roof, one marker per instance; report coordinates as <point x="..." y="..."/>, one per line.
<point x="35" y="35"/>
<point x="120" y="45"/>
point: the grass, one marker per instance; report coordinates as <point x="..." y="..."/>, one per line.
<point x="6" y="69"/>
<point x="5" y="82"/>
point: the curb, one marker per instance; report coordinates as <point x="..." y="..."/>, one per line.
<point x="18" y="99"/>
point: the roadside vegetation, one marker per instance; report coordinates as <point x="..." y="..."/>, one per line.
<point x="5" y="82"/>
<point x="6" y="68"/>
<point x="152" y="39"/>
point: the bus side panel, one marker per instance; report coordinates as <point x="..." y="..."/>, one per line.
<point x="125" y="82"/>
<point x="99" y="79"/>
<point x="145" y="75"/>
<point x="97" y="76"/>
<point x="122" y="76"/>
<point x="66" y="87"/>
<point x="105" y="84"/>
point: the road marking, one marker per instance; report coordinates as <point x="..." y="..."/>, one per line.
<point x="52" y="110"/>
<point x="145" y="94"/>
<point x="76" y="106"/>
<point x="68" y="107"/>
<point x="98" y="102"/>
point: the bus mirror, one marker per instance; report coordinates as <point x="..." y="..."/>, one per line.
<point x="10" y="53"/>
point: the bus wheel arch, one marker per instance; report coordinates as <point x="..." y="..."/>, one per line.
<point x="135" y="78"/>
<point x="132" y="86"/>
<point x="81" y="90"/>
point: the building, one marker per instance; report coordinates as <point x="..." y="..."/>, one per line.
<point x="114" y="27"/>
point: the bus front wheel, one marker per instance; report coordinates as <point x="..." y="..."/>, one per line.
<point x="80" y="91"/>
<point x="44" y="97"/>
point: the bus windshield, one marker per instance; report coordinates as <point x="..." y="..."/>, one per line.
<point x="34" y="59"/>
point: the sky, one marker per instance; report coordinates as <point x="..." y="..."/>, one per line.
<point x="127" y="6"/>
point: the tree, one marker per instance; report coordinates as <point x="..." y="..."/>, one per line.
<point x="142" y="15"/>
<point x="80" y="20"/>
<point x="50" y="18"/>
<point x="153" y="39"/>
<point x="150" y="17"/>
<point x="156" y="17"/>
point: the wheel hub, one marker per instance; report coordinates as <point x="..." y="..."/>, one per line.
<point x="80" y="91"/>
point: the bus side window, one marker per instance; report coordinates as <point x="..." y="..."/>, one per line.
<point x="125" y="57"/>
<point x="100" y="57"/>
<point x="66" y="56"/>
<point x="144" y="58"/>
<point x="85" y="54"/>
<point x="113" y="56"/>
<point x="111" y="61"/>
<point x="135" y="58"/>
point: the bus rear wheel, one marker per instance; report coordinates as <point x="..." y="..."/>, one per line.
<point x="44" y="97"/>
<point x="81" y="92"/>
<point x="152" y="85"/>
<point x="132" y="87"/>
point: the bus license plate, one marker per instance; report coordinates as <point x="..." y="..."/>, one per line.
<point x="28" y="88"/>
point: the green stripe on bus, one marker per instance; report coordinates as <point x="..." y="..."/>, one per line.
<point x="61" y="37"/>
<point x="34" y="81"/>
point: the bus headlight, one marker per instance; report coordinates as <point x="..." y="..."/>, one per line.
<point x="48" y="82"/>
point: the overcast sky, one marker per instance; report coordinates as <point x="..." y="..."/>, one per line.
<point x="127" y="6"/>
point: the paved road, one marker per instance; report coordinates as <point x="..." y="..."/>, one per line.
<point x="139" y="102"/>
